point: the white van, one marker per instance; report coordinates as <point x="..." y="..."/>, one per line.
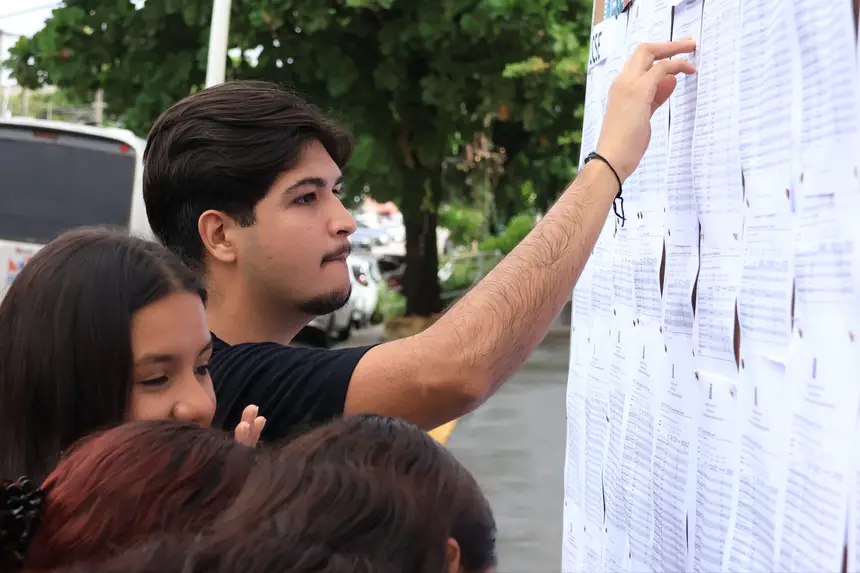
<point x="56" y="176"/>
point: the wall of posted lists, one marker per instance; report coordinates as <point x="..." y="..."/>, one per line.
<point x="714" y="383"/>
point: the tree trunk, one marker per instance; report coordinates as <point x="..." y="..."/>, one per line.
<point x="421" y="278"/>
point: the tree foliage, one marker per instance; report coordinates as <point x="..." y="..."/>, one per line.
<point x="415" y="79"/>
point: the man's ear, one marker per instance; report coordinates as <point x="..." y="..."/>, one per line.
<point x="453" y="555"/>
<point x="218" y="233"/>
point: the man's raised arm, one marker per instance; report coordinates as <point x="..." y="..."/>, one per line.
<point x="460" y="361"/>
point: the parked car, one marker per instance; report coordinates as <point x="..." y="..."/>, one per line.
<point x="365" y="289"/>
<point x="392" y="268"/>
<point x="368" y="237"/>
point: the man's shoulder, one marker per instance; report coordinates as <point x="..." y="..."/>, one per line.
<point x="279" y="358"/>
<point x="265" y="355"/>
<point x="291" y="385"/>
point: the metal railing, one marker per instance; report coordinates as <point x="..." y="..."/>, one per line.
<point x="471" y="266"/>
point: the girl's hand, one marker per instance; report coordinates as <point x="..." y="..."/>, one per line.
<point x="249" y="429"/>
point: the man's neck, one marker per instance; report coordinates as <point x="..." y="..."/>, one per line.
<point x="236" y="321"/>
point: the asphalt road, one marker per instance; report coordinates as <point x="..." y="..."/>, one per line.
<point x="514" y="446"/>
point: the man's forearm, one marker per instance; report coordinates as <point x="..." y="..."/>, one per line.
<point x="497" y="325"/>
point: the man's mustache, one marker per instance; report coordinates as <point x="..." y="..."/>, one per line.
<point x="340" y="253"/>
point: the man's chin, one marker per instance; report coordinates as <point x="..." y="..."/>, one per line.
<point x="326" y="304"/>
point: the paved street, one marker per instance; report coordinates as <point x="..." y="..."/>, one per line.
<point x="514" y="445"/>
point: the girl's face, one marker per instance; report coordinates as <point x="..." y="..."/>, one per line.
<point x="171" y="347"/>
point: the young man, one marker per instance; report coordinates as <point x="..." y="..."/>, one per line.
<point x="243" y="181"/>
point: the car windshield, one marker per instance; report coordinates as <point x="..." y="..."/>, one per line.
<point x="54" y="181"/>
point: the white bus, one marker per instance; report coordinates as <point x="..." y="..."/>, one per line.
<point x="56" y="176"/>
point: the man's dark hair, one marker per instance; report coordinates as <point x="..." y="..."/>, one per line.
<point x="222" y="148"/>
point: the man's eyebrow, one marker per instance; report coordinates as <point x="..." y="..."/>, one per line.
<point x="313" y="182"/>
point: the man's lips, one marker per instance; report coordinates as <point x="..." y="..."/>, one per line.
<point x="338" y="255"/>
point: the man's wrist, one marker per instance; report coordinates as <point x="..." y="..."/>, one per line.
<point x="599" y="176"/>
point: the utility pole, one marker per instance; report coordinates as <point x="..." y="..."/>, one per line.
<point x="99" y="107"/>
<point x="4" y="96"/>
<point x="219" y="32"/>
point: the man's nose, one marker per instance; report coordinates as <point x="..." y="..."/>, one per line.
<point x="342" y="222"/>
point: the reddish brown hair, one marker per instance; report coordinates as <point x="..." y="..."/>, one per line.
<point x="119" y="487"/>
<point x="364" y="494"/>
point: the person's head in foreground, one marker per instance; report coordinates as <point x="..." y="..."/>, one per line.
<point x="243" y="181"/>
<point x="364" y="494"/>
<point x="375" y="492"/>
<point x="117" y="488"/>
<point x="97" y="329"/>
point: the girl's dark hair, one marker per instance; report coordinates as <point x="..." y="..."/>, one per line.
<point x="65" y="340"/>
<point x="119" y="487"/>
<point x="364" y="494"/>
<point x="402" y="498"/>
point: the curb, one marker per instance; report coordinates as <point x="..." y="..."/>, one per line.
<point x="443" y="433"/>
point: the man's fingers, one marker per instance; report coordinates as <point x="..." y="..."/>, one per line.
<point x="665" y="68"/>
<point x="646" y="54"/>
<point x="664" y="90"/>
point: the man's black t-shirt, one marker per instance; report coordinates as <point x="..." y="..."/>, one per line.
<point x="293" y="387"/>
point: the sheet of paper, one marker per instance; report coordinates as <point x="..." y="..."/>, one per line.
<point x="621" y="372"/>
<point x="596" y="429"/>
<point x="592" y="117"/>
<point x="616" y="54"/>
<point x="682" y="222"/>
<point x="574" y="476"/>
<point x="582" y="311"/>
<point x="825" y="238"/>
<point x="716" y="294"/>
<point x="648" y="388"/>
<point x="718" y="187"/>
<point x="649" y="210"/>
<point x="623" y="272"/>
<point x="767" y="405"/>
<point x="715" y="151"/>
<point x="767" y="142"/>
<point x="766" y="96"/>
<point x="682" y="267"/>
<point x="593" y="554"/>
<point x="674" y="477"/>
<point x="821" y="471"/>
<point x="717" y="468"/>
<point x="603" y="259"/>
<point x="767" y="279"/>
<point x="828" y="192"/>
<point x="853" y="562"/>
<point x="826" y="40"/>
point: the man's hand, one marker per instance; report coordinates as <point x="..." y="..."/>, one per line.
<point x="644" y="84"/>
<point x="249" y="429"/>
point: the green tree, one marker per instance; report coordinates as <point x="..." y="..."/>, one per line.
<point x="412" y="77"/>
